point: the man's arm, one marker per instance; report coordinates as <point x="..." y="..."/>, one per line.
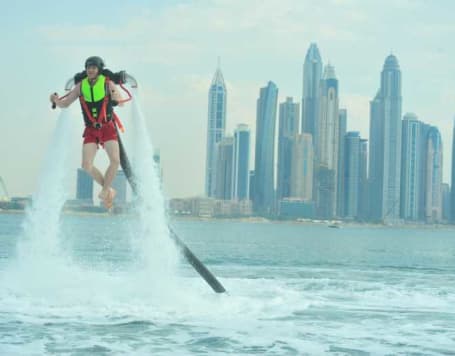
<point x="115" y="93"/>
<point x="69" y="99"/>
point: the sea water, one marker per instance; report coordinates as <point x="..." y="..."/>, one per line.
<point x="81" y="285"/>
<point x="294" y="289"/>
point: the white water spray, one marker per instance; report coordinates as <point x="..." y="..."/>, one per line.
<point x="155" y="247"/>
<point x="44" y="269"/>
<point x="42" y="222"/>
<point x="39" y="255"/>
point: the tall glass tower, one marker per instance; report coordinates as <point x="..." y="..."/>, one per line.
<point x="264" y="193"/>
<point x="241" y="163"/>
<point x="216" y="128"/>
<point x="312" y="73"/>
<point x="327" y="145"/>
<point x="385" y="144"/>
<point x="433" y="181"/>
<point x="411" y="167"/>
<point x="452" y="182"/>
<point x="120" y="185"/>
<point x="301" y="186"/>
<point x="223" y="186"/>
<point x="3" y="192"/>
<point x="289" y="116"/>
<point x="342" y="129"/>
<point x="84" y="189"/>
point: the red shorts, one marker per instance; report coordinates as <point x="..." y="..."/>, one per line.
<point x="106" y="133"/>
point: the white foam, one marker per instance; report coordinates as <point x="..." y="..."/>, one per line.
<point x="39" y="246"/>
<point x="151" y="235"/>
<point x="43" y="274"/>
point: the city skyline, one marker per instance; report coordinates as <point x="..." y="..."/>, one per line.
<point x="175" y="64"/>
<point x="401" y="180"/>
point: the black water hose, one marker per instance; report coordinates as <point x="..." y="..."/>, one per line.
<point x="190" y="256"/>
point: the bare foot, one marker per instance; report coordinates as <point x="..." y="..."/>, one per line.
<point x="103" y="194"/>
<point x="109" y="199"/>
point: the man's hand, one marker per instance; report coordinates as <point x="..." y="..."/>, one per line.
<point x="53" y="98"/>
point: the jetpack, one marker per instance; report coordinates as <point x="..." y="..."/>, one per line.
<point x="122" y="78"/>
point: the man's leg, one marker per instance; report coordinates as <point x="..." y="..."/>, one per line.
<point x="88" y="156"/>
<point x="113" y="152"/>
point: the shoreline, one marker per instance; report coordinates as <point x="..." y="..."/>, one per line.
<point x="261" y="220"/>
<point x="325" y="223"/>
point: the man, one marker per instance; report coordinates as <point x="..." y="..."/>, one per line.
<point x="97" y="95"/>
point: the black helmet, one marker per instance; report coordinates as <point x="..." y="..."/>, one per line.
<point x="95" y="61"/>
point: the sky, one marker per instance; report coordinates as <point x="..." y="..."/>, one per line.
<point x="172" y="48"/>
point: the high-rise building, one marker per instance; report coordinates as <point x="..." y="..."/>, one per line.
<point x="224" y="161"/>
<point x="241" y="164"/>
<point x="352" y="175"/>
<point x="385" y="145"/>
<point x="3" y="192"/>
<point x="84" y="186"/>
<point x="363" y="198"/>
<point x="120" y="185"/>
<point x="452" y="181"/>
<point x="355" y="189"/>
<point x="264" y="193"/>
<point x="376" y="159"/>
<point x="312" y="72"/>
<point x="288" y="129"/>
<point x="411" y="167"/>
<point x="302" y="158"/>
<point x="342" y="128"/>
<point x="327" y="145"/>
<point x="433" y="182"/>
<point x="445" y="202"/>
<point x="216" y="128"/>
<point x="423" y="152"/>
<point x="251" y="185"/>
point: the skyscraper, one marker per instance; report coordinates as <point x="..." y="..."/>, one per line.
<point x="120" y="185"/>
<point x="251" y="185"/>
<point x="288" y="129"/>
<point x="385" y="145"/>
<point x="84" y="188"/>
<point x="341" y="152"/>
<point x="301" y="182"/>
<point x="376" y="159"/>
<point x="363" y="198"/>
<point x="452" y="181"/>
<point x="433" y="183"/>
<point x="241" y="163"/>
<point x="216" y="128"/>
<point x="411" y="167"/>
<point x="3" y="192"/>
<point x="327" y="145"/>
<point x="224" y="160"/>
<point x="264" y="194"/>
<point x="422" y="167"/>
<point x="312" y="72"/>
<point x="352" y="188"/>
<point x="445" y="202"/>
